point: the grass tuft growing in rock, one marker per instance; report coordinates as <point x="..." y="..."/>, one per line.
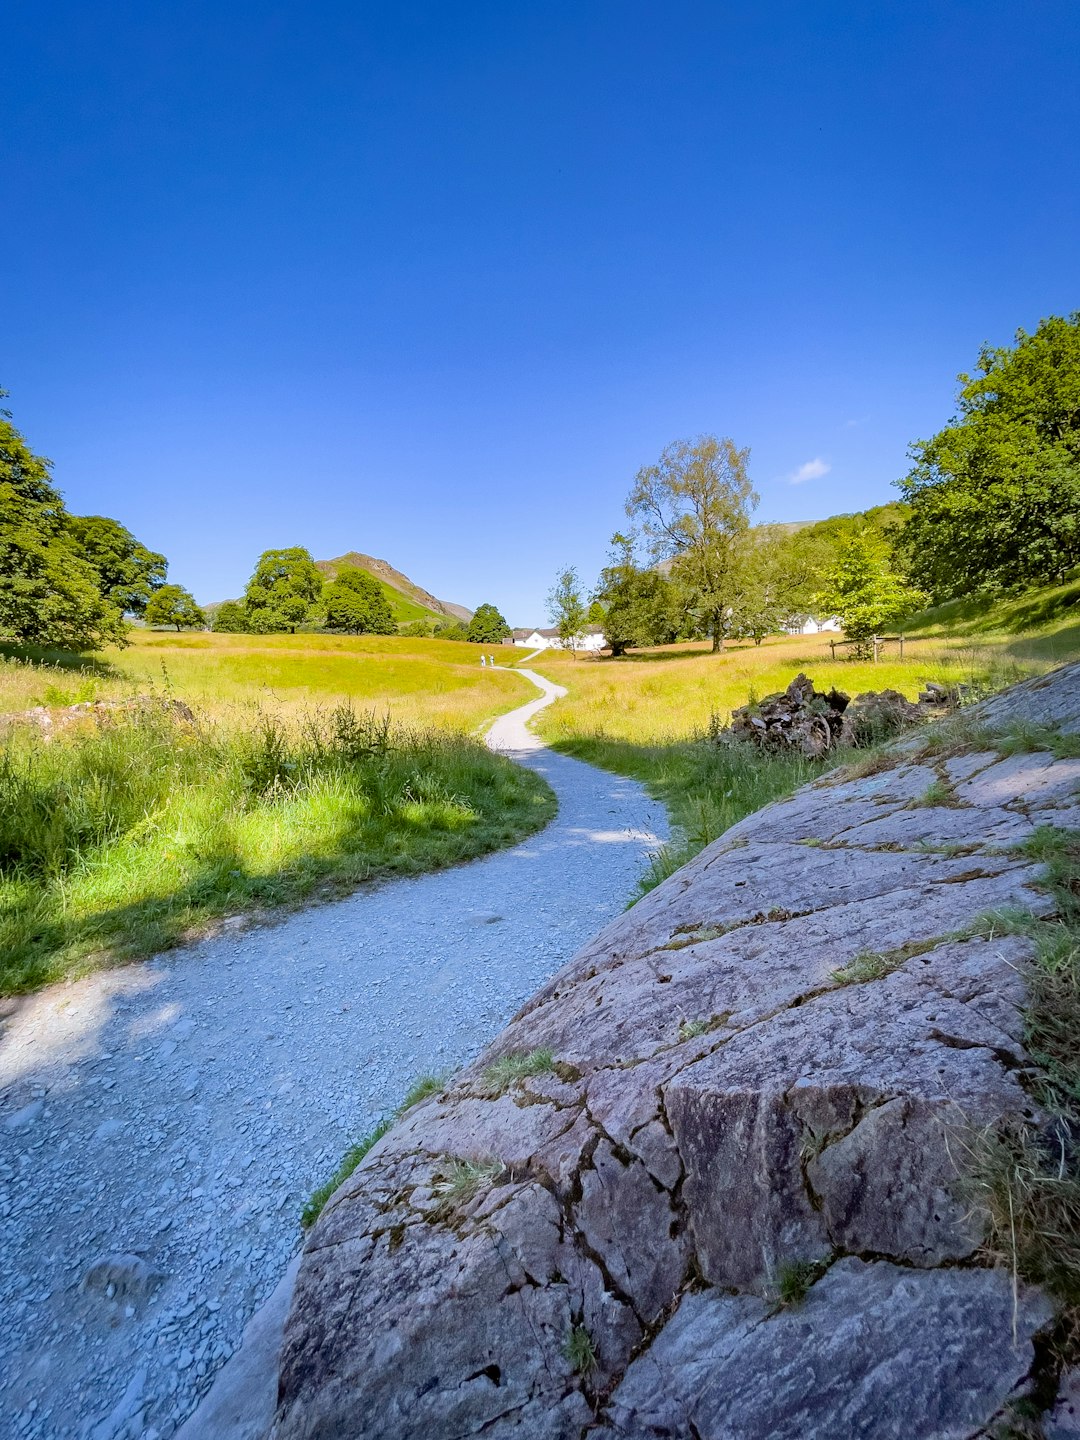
<point x="1028" y="1180"/>
<point x="421" y="1089"/>
<point x="510" y="1070"/>
<point x="939" y="792"/>
<point x="867" y="965"/>
<point x="349" y="1161"/>
<point x="1023" y="738"/>
<point x="460" y="1180"/>
<point x="580" y="1351"/>
<point x="794" y="1279"/>
<point x="691" y="1029"/>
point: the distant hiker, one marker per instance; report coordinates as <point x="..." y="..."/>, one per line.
<point x="483" y="659"/>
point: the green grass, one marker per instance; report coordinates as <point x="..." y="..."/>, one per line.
<point x="349" y="1161"/>
<point x="510" y="1070"/>
<point x="645" y="716"/>
<point x="794" y="1279"/>
<point x="1040" y="624"/>
<point x="439" y="682"/>
<point x="421" y="1089"/>
<point x="120" y="841"/>
<point x="580" y="1351"/>
<point x="1028" y="1178"/>
<point x="460" y="1181"/>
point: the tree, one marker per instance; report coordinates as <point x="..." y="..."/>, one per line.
<point x="230" y="618"/>
<point x="451" y="630"/>
<point x="864" y="590"/>
<point x="566" y="608"/>
<point x="173" y="605"/>
<point x="995" y="495"/>
<point x="128" y="573"/>
<point x="487" y="626"/>
<point x="282" y="592"/>
<point x="637" y="604"/>
<point x="49" y="594"/>
<point x="694" y="506"/>
<point x="356" y="603"/>
<point x="762" y="605"/>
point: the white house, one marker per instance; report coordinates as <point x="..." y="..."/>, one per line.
<point x="591" y="639"/>
<point x="811" y="624"/>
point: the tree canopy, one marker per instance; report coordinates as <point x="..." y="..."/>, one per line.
<point x="995" y="495"/>
<point x="356" y="603"/>
<point x="865" y="591"/>
<point x="694" y="508"/>
<point x="487" y="626"/>
<point x="637" y="605"/>
<point x="173" y="605"/>
<point x="282" y="592"/>
<point x="763" y="601"/>
<point x="128" y="573"/>
<point x="230" y="618"/>
<point x="566" y="608"/>
<point x="49" y="593"/>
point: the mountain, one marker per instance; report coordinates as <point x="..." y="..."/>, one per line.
<point x="408" y="601"/>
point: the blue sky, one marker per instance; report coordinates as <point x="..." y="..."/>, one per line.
<point x="433" y="280"/>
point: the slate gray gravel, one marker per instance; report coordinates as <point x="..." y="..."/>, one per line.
<point x="178" y="1113"/>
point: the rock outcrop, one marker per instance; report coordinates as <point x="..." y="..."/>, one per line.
<point x="765" y="1079"/>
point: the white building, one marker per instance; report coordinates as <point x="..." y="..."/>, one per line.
<point x="812" y="624"/>
<point x="590" y="639"/>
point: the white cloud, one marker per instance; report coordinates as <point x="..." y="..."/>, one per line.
<point x="811" y="470"/>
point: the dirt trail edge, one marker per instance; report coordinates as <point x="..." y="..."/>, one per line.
<point x="162" y="1124"/>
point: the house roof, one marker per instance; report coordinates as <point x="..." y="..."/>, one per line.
<point x="552" y="633"/>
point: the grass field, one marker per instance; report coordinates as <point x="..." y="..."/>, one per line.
<point x="315" y="763"/>
<point x="423" y="681"/>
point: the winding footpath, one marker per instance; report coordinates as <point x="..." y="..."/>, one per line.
<point x="162" y="1124"/>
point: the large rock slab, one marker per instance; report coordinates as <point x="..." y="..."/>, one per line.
<point x="874" y="1351"/>
<point x="783" y="1056"/>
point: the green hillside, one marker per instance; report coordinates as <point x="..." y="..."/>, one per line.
<point x="408" y="601"/>
<point x="1045" y="622"/>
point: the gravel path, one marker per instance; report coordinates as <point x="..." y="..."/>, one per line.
<point x="172" y="1117"/>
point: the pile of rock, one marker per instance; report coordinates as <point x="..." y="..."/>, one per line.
<point x="813" y="721"/>
<point x="96" y="712"/>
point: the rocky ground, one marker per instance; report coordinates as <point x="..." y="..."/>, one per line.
<point x="161" y="1125"/>
<point x="709" y="1182"/>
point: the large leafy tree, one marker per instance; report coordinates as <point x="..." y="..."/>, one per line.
<point x="566" y="608"/>
<point x="763" y="600"/>
<point x="49" y="594"/>
<point x="283" y="591"/>
<point x="995" y="495"/>
<point x="230" y="618"/>
<point x="637" y="603"/>
<point x="173" y="605"/>
<point x="487" y="626"/>
<point x="694" y="508"/>
<point x="356" y="603"/>
<point x="865" y="591"/>
<point x="128" y="573"/>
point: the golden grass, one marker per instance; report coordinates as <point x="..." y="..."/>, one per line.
<point x="672" y="693"/>
<point x="439" y="682"/>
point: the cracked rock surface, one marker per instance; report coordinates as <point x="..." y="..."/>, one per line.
<point x="775" y="1063"/>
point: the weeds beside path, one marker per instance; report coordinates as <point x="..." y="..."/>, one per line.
<point x="125" y="839"/>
